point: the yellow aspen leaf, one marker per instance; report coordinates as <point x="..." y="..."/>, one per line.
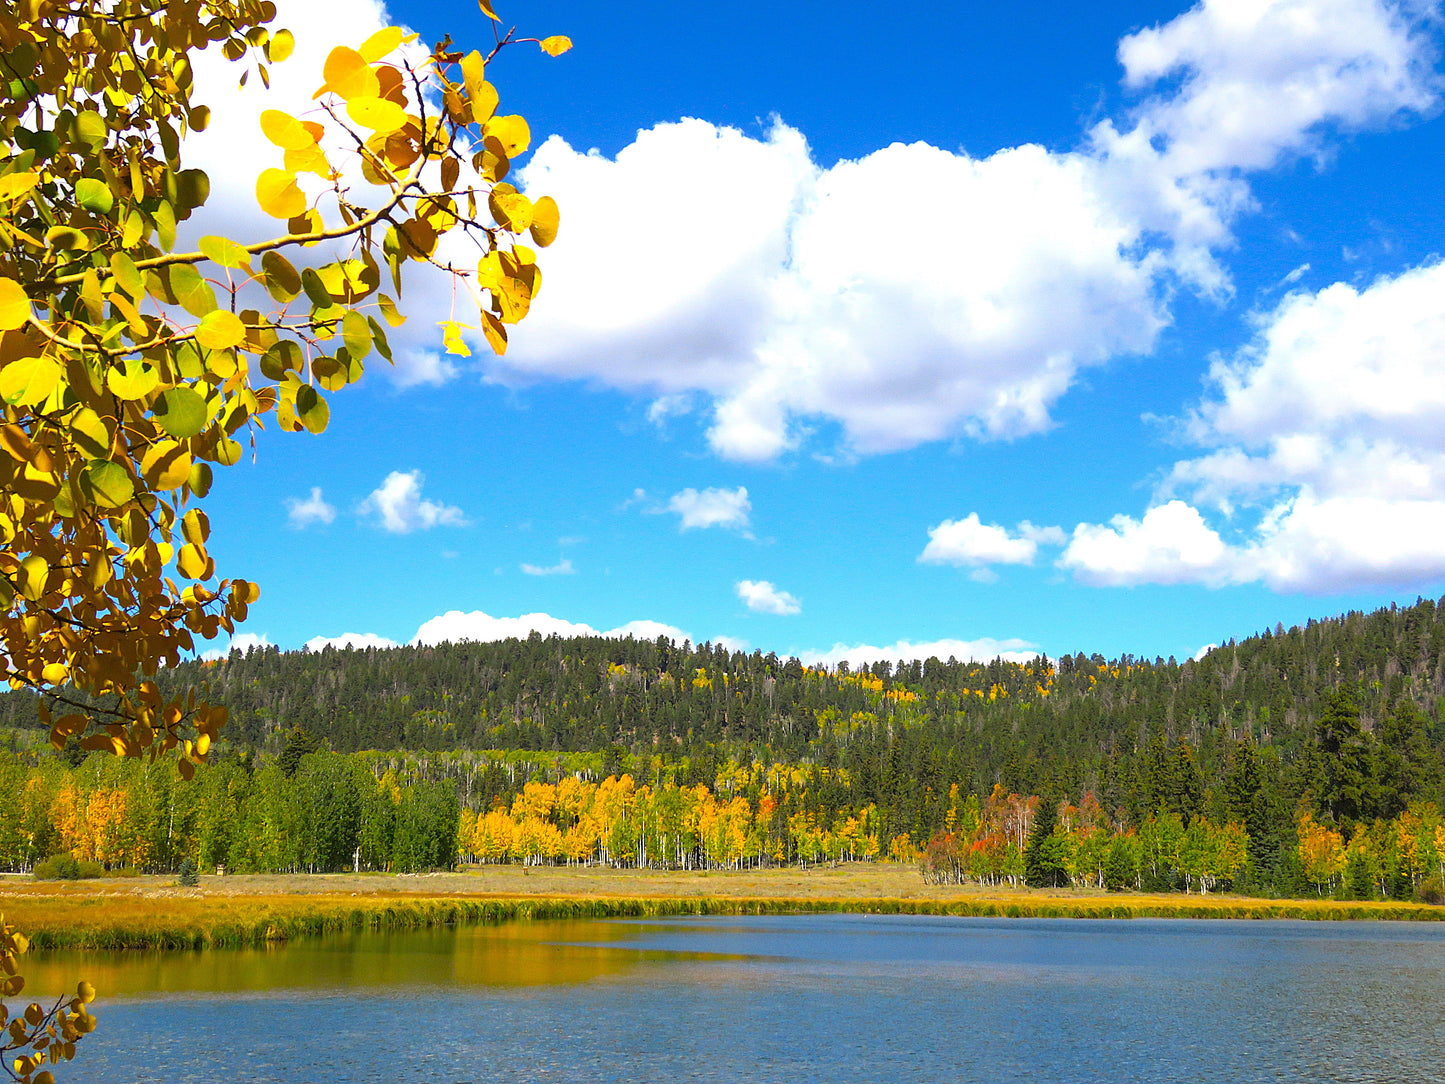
<point x="222" y="251"/>
<point x="131" y="379"/>
<point x="308" y="160"/>
<point x="486" y="6"/>
<point x="381" y="43"/>
<point x="31" y="577"/>
<point x="187" y="770"/>
<point x="280" y="46"/>
<point x="495" y="332"/>
<point x="220" y="330"/>
<point x="512" y="132"/>
<point x="196" y="526"/>
<point x="193" y="563"/>
<point x="166" y="465"/>
<point x="511" y="209"/>
<point x="15" y="185"/>
<point x="546" y="217"/>
<point x="348" y="75"/>
<point x="55" y="673"/>
<point x="28" y="381"/>
<point x="106" y="484"/>
<point x="556" y="45"/>
<point x="89" y="431"/>
<point x="389" y="310"/>
<point x="285" y="131"/>
<point x="14" y="305"/>
<point x="378" y="114"/>
<point x="278" y="196"/>
<point x="452" y="338"/>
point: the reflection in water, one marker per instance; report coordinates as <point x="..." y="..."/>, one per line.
<point x="818" y="997"/>
<point x="515" y="954"/>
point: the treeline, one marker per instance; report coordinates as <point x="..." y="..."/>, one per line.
<point x="311" y="812"/>
<point x="1339" y="719"/>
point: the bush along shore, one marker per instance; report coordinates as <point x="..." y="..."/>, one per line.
<point x="97" y="922"/>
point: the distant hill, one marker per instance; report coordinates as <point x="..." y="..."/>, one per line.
<point x="1065" y="724"/>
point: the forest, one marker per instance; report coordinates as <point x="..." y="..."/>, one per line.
<point x="1296" y="761"/>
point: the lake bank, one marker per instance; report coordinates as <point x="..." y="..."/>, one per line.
<point x="236" y="911"/>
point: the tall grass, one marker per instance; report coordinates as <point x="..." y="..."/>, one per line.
<point x="101" y="922"/>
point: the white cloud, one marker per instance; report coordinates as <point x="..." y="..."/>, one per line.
<point x="984" y="650"/>
<point x="1327" y="454"/>
<point x="968" y="541"/>
<point x="354" y="641"/>
<point x="731" y="643"/>
<point x="455" y="626"/>
<point x="728" y="508"/>
<point x="1205" y="650"/>
<point x="764" y="302"/>
<point x="561" y="568"/>
<point x="762" y="597"/>
<point x="397" y="506"/>
<point x="764" y="310"/>
<point x="244" y="642"/>
<point x="303" y="513"/>
<point x="1171" y="544"/>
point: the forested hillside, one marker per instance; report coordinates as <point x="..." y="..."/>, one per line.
<point x="1340" y="719"/>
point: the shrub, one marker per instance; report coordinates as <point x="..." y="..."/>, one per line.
<point x="1431" y="891"/>
<point x="66" y="867"/>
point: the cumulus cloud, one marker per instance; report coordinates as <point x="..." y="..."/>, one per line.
<point x="728" y="508"/>
<point x="303" y="513"/>
<point x="561" y="568"/>
<point x="983" y="650"/>
<point x="969" y="541"/>
<point x="766" y="314"/>
<point x="454" y="626"/>
<point x="762" y="597"/>
<point x="766" y="305"/>
<point x="353" y="641"/>
<point x="398" y="506"/>
<point x="1325" y="454"/>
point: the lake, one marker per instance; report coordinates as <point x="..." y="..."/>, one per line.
<point x="782" y="998"/>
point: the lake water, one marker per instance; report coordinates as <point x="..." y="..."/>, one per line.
<point x="790" y="998"/>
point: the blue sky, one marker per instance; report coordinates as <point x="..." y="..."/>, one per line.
<point x="953" y="328"/>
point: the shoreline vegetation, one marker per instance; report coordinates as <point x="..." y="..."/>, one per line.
<point x="247" y="911"/>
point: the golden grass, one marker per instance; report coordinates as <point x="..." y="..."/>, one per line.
<point x="152" y="912"/>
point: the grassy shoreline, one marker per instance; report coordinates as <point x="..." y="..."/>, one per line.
<point x="236" y="912"/>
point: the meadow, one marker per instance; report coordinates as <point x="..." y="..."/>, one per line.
<point x="242" y="910"/>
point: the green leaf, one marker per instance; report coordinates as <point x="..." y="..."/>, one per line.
<point x="164" y="216"/>
<point x="94" y="195"/>
<point x="106" y="484"/>
<point x="200" y="479"/>
<point x="90" y="128"/>
<point x="181" y="412"/>
<point x="284" y="356"/>
<point x="356" y="333"/>
<point x="282" y="280"/>
<point x="315" y="289"/>
<point x="312" y="409"/>
<point x="223" y="251"/>
<point x="379" y="338"/>
<point x="192" y="291"/>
